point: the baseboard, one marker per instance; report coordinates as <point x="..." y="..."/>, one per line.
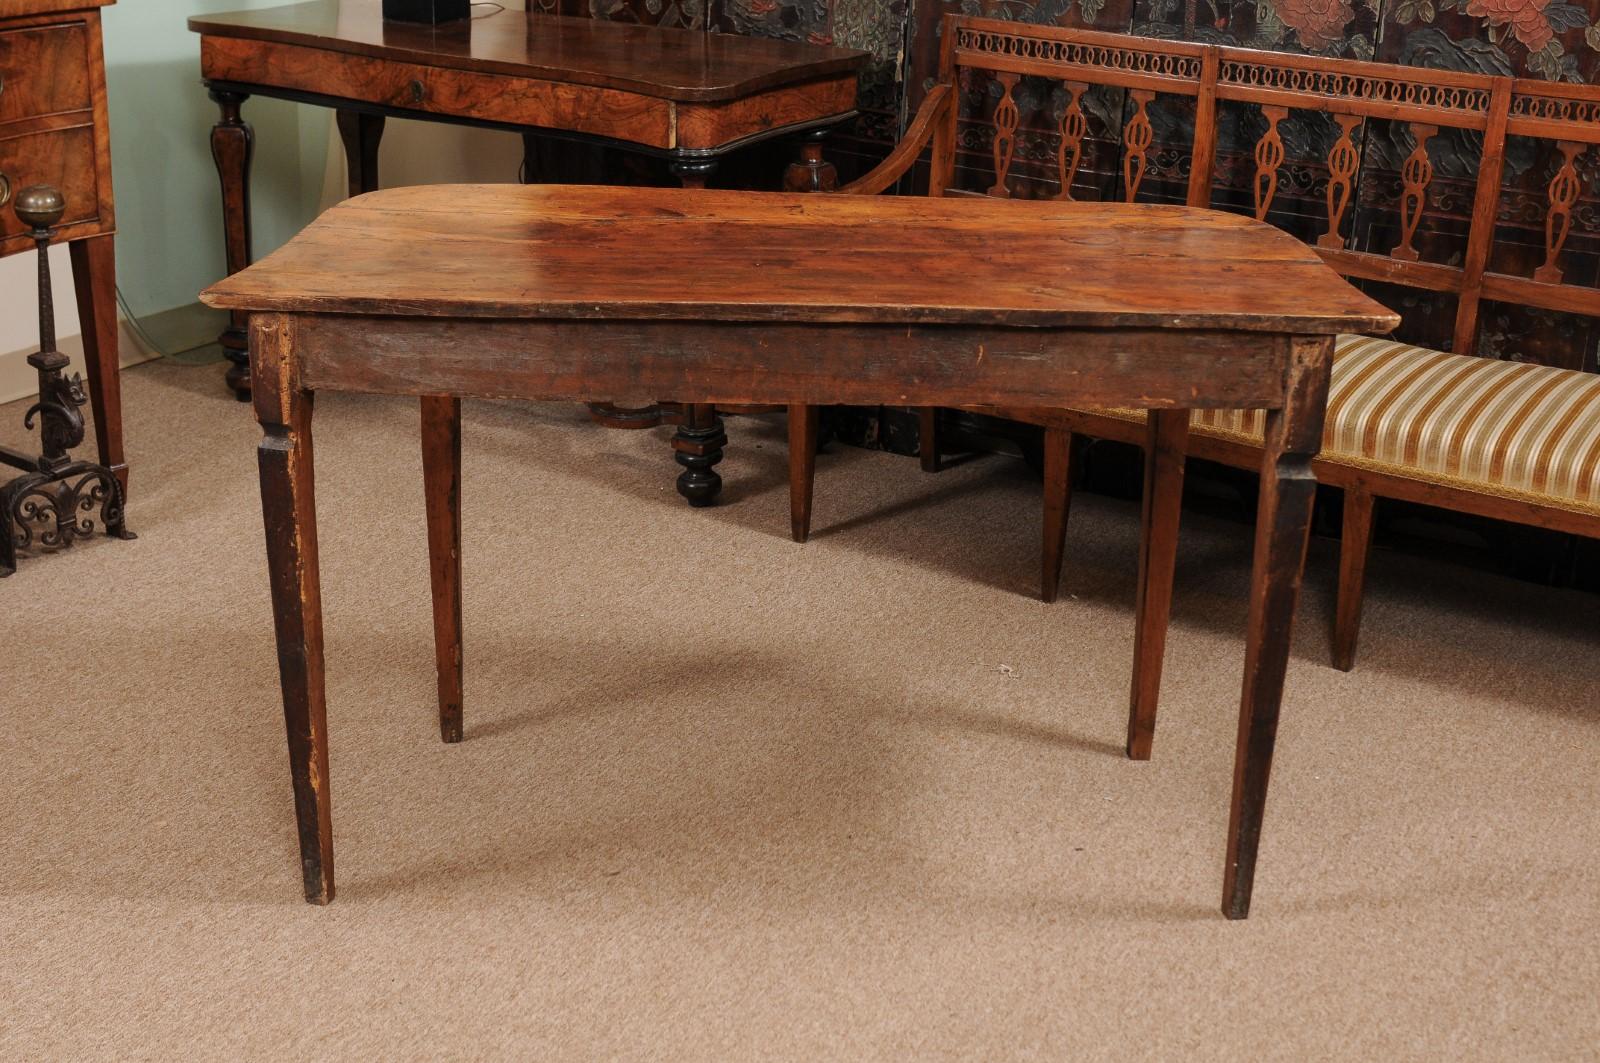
<point x="183" y="328"/>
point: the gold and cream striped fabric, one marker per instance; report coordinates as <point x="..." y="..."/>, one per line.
<point x="1503" y="428"/>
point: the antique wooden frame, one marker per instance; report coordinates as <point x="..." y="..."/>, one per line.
<point x="399" y="309"/>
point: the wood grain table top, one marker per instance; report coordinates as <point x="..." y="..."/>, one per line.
<point x="681" y="65"/>
<point x="553" y="251"/>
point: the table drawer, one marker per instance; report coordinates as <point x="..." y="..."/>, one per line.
<point x="44" y="70"/>
<point x="60" y="157"/>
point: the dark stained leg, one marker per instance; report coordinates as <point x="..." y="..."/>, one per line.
<point x="232" y="146"/>
<point x="811" y="172"/>
<point x="95" y="279"/>
<point x="1166" y="440"/>
<point x="361" y="134"/>
<point x="803" y="424"/>
<point x="1060" y="446"/>
<point x="928" y="437"/>
<point x="441" y="488"/>
<point x="693" y="171"/>
<point x="1354" y="547"/>
<point x="1283" y="525"/>
<point x="288" y="508"/>
<point x="699" y="441"/>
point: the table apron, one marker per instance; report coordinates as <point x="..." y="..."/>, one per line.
<point x="506" y="101"/>
<point x="789" y="362"/>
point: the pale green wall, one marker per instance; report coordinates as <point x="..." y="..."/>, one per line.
<point x="169" y="227"/>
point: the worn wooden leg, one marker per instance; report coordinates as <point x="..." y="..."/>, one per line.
<point x="1166" y="441"/>
<point x="95" y="279"/>
<point x="232" y="147"/>
<point x="1354" y="546"/>
<point x="928" y="437"/>
<point x="288" y="508"/>
<point x="699" y="441"/>
<point x="441" y="487"/>
<point x="361" y="134"/>
<point x="803" y="426"/>
<point x="1283" y="525"/>
<point x="1060" y="446"/>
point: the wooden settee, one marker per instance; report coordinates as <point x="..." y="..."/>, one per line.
<point x="1493" y="437"/>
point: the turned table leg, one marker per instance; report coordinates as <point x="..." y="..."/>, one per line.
<point x="441" y="488"/>
<point x="94" y="278"/>
<point x="811" y="172"/>
<point x="288" y="509"/>
<point x="698" y="443"/>
<point x="232" y="146"/>
<point x="361" y="134"/>
<point x="1283" y="525"/>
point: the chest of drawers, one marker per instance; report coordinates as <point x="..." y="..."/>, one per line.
<point x="53" y="131"/>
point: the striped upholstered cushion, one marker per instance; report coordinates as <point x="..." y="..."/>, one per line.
<point x="1495" y="427"/>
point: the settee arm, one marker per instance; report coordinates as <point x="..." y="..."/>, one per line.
<point x="931" y="117"/>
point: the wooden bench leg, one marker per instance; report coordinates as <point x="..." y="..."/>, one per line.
<point x="928" y="437"/>
<point x="803" y="427"/>
<point x="1355" y="544"/>
<point x="1060" y="454"/>
<point x="288" y="508"/>
<point x="1166" y="440"/>
<point x="1283" y="526"/>
<point x="441" y="488"/>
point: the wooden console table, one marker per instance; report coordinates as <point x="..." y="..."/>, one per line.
<point x="54" y="131"/>
<point x="793" y="300"/>
<point x="684" y="96"/>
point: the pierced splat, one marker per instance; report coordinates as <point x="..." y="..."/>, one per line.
<point x="1074" y="124"/>
<point x="1269" y="156"/>
<point x="1564" y="189"/>
<point x="1343" y="159"/>
<point x="1416" y="173"/>
<point x="1006" y="117"/>
<point x="1136" y="140"/>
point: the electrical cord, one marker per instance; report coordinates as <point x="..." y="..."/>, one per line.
<point x="180" y="357"/>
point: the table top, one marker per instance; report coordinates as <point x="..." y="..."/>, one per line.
<point x="589" y="251"/>
<point x="683" y="65"/>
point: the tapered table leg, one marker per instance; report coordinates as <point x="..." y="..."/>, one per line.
<point x="1283" y="525"/>
<point x="94" y="276"/>
<point x="233" y="145"/>
<point x="441" y="483"/>
<point x="804" y="424"/>
<point x="288" y="509"/>
<point x="1166" y="442"/>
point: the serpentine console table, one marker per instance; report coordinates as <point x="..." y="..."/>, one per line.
<point x="569" y="292"/>
<point x="685" y="96"/>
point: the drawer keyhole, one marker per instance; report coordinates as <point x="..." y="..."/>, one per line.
<point x="5" y="190"/>
<point x="416" y="92"/>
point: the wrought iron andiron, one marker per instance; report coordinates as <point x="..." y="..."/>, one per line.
<point x="53" y="502"/>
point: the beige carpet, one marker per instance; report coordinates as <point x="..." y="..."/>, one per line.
<point x="724" y="797"/>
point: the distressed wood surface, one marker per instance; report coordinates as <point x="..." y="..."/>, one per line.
<point x="546" y="251"/>
<point x="546" y="320"/>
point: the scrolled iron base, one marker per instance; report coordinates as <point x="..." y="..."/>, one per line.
<point x="53" y="510"/>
